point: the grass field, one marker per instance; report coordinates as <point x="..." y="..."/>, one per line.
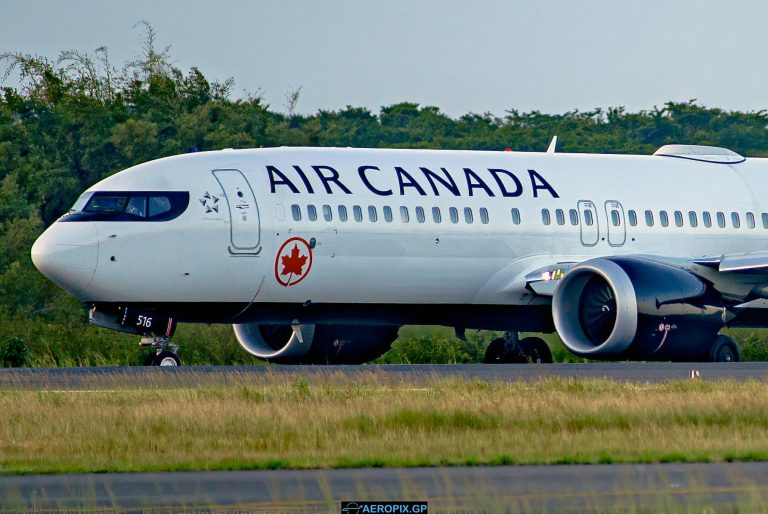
<point x="281" y="422"/>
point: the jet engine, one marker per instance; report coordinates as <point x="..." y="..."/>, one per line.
<point x="315" y="344"/>
<point x="636" y="309"/>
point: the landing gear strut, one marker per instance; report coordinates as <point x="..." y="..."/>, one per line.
<point x="164" y="352"/>
<point x="510" y="349"/>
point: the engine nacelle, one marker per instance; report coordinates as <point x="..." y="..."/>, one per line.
<point x="315" y="344"/>
<point x="636" y="309"/>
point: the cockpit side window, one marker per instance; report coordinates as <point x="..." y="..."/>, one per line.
<point x="129" y="206"/>
<point x="137" y="206"/>
<point x="158" y="205"/>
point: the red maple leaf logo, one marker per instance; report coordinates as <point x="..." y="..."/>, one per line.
<point x="293" y="263"/>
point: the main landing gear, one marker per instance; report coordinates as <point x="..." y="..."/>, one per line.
<point x="164" y="352"/>
<point x="725" y="349"/>
<point x="512" y="350"/>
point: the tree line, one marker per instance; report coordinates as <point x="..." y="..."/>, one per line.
<point x="77" y="118"/>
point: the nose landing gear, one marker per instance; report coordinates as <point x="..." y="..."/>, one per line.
<point x="164" y="351"/>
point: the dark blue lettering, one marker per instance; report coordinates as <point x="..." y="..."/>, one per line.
<point x="504" y="192"/>
<point x="334" y="178"/>
<point x="304" y="179"/>
<point x="409" y="183"/>
<point x="538" y="182"/>
<point x="283" y="180"/>
<point x="449" y="184"/>
<point x="475" y="182"/>
<point x="361" y="171"/>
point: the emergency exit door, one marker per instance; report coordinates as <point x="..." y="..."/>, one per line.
<point x="244" y="222"/>
<point x="617" y="228"/>
<point x="590" y="232"/>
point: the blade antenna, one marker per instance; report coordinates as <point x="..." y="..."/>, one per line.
<point x="552" y="145"/>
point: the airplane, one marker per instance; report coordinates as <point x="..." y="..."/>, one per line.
<point x="320" y="255"/>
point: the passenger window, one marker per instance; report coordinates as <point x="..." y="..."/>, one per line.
<point x="484" y="215"/>
<point x="588" y="221"/>
<point x="357" y="212"/>
<point x="327" y="213"/>
<point x="692" y="219"/>
<point x="750" y="220"/>
<point x="721" y="220"/>
<point x="404" y="217"/>
<point x="735" y="220"/>
<point x="649" y="218"/>
<point x="454" y="212"/>
<point x="468" y="215"/>
<point x="560" y="216"/>
<point x="707" y="218"/>
<point x="765" y="220"/>
<point x="516" y="216"/>
<point x="387" y="214"/>
<point x="632" y="217"/>
<point x="137" y="206"/>
<point x="343" y="213"/>
<point x="436" y="215"/>
<point x="678" y="218"/>
<point x="574" y="215"/>
<point x="296" y="212"/>
<point x="311" y="212"/>
<point x="372" y="214"/>
<point x="615" y="218"/>
<point x="420" y="217"/>
<point x="663" y="218"/>
<point x="545" y="216"/>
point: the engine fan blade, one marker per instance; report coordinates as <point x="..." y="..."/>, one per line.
<point x="597" y="310"/>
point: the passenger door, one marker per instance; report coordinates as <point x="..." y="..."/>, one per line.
<point x="244" y="221"/>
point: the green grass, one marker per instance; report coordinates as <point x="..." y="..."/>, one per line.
<point x="336" y="422"/>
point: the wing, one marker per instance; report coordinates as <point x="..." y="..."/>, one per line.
<point x="737" y="262"/>
<point x="735" y="276"/>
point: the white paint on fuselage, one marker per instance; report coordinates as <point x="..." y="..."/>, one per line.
<point x="186" y="259"/>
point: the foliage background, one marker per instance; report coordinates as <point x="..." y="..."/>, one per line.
<point x="78" y="118"/>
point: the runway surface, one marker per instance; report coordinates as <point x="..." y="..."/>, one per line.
<point x="652" y="487"/>
<point x="631" y="372"/>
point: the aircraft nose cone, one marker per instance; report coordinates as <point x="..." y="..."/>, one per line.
<point x="67" y="253"/>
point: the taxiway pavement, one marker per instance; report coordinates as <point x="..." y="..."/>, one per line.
<point x="636" y="487"/>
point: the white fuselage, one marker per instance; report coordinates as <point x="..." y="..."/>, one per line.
<point x="232" y="254"/>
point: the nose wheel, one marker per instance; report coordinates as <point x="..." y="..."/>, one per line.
<point x="164" y="354"/>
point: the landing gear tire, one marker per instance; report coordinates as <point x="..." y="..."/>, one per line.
<point x="511" y="351"/>
<point x="494" y="352"/>
<point x="725" y="349"/>
<point x="536" y="350"/>
<point x="165" y="358"/>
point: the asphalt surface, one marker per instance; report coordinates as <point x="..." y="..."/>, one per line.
<point x="651" y="487"/>
<point x="631" y="372"/>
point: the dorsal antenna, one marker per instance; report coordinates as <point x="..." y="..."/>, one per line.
<point x="552" y="145"/>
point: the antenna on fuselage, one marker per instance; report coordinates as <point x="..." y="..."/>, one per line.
<point x="552" y="145"/>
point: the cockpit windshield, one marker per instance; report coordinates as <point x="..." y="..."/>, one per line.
<point x="81" y="201"/>
<point x="106" y="203"/>
<point x="129" y="206"/>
